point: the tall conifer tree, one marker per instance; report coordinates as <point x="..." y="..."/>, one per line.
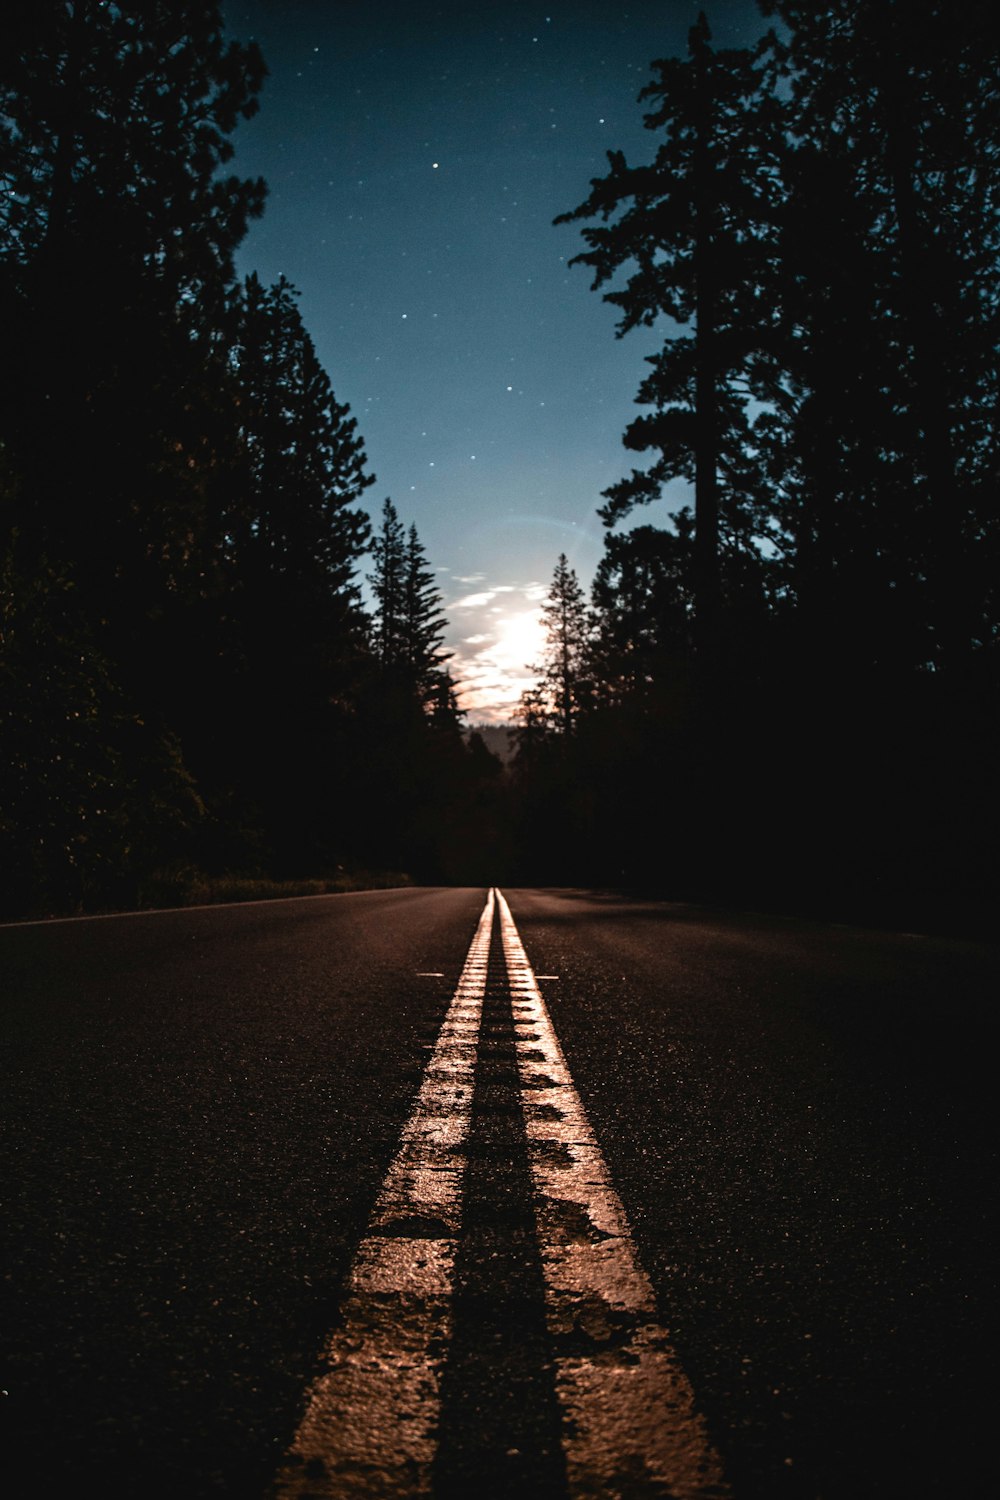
<point x="304" y="456"/>
<point x="692" y="228"/>
<point x="388" y="582"/>
<point x="424" y="625"/>
<point x="117" y="234"/>
<point x="564" y="666"/>
<point x="891" y="241"/>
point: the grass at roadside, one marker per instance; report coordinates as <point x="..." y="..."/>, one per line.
<point x="193" y="888"/>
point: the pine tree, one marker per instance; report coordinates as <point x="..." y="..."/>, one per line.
<point x="424" y="625"/>
<point x="289" y="627"/>
<point x="117" y="234"/>
<point x="564" y="666"/>
<point x="305" y="459"/>
<point x="890" y="245"/>
<point x="117" y="429"/>
<point x="533" y="719"/>
<point x="694" y="226"/>
<point x="93" y="794"/>
<point x="388" y="583"/>
<point x="119" y="115"/>
<point x="409" y="619"/>
<point x="642" y="614"/>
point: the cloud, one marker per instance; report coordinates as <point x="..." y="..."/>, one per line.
<point x="473" y="601"/>
<point x="496" y="661"/>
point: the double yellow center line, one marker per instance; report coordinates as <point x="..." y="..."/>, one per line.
<point x="371" y="1417"/>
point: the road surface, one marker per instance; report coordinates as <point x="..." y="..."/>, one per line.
<point x="544" y="1193"/>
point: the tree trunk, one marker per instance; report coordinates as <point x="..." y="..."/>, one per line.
<point x="706" y="507"/>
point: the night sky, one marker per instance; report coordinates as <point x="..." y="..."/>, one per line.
<point x="416" y="155"/>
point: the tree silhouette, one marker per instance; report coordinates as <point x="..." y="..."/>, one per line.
<point x="409" y="622"/>
<point x="388" y="583"/>
<point x="693" y="225"/>
<point x="817" y="237"/>
<point x="563" y="686"/>
<point x="305" y="460"/>
<point x="424" y="626"/>
<point x="643" y="609"/>
<point x="117" y="234"/>
<point x="288" y="625"/>
<point x="888" y="347"/>
<point x="93" y="794"/>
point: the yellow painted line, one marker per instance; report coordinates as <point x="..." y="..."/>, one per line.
<point x="369" y="1427"/>
<point x="630" y="1424"/>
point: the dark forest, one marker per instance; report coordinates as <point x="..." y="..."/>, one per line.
<point x="788" y="696"/>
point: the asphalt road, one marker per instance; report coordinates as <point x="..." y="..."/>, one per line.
<point x="199" y="1109"/>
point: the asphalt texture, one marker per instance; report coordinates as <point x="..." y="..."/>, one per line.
<point x="199" y="1108"/>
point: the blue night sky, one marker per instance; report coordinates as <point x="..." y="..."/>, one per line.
<point x="416" y="155"/>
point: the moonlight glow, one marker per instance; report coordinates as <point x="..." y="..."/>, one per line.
<point x="501" y="640"/>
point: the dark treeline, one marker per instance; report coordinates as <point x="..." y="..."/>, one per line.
<point x="790" y="692"/>
<point x="189" y="685"/>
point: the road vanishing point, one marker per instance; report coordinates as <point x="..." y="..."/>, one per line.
<point x="461" y="1192"/>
